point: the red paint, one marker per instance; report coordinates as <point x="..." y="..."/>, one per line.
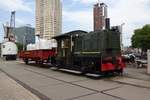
<point x="37" y="54"/>
<point x="108" y="66"/>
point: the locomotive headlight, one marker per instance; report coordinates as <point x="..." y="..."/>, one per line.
<point x="92" y="63"/>
<point x="77" y="35"/>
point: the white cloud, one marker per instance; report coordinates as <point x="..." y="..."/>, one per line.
<point x="86" y="1"/>
<point x="134" y="13"/>
<point x="89" y="2"/>
<point x="9" y="5"/>
<point x="20" y="22"/>
<point x="80" y="19"/>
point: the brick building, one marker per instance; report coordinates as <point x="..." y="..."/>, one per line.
<point x="100" y="14"/>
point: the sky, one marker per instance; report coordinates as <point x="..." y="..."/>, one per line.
<point x="78" y="14"/>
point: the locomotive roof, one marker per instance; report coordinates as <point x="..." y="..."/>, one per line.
<point x="73" y="33"/>
<point x="80" y="33"/>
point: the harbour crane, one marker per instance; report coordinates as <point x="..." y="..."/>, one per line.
<point x="9" y="48"/>
<point x="8" y="28"/>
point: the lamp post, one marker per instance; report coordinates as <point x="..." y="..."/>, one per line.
<point x="25" y="41"/>
<point x="121" y="36"/>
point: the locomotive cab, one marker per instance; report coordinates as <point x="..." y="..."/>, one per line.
<point x="65" y="47"/>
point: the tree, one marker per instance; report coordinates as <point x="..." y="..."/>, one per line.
<point x="141" y="38"/>
<point x="20" y="46"/>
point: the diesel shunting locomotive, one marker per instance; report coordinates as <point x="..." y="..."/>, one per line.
<point x="94" y="52"/>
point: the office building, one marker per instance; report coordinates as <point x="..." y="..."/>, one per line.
<point x="24" y="35"/>
<point x="48" y="18"/>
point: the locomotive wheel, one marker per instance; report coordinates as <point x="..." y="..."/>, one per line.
<point x="84" y="70"/>
<point x="121" y="72"/>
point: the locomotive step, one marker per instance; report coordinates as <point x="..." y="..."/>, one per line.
<point x="93" y="75"/>
<point x="53" y="68"/>
<point x="71" y="71"/>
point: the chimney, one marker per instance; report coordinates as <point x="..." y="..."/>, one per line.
<point x="107" y="23"/>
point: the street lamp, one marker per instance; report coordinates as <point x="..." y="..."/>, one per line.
<point x="121" y="35"/>
<point x="24" y="41"/>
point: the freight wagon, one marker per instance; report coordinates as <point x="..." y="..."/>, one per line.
<point x="39" y="56"/>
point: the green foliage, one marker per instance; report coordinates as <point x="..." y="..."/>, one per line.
<point x="20" y="46"/>
<point x="141" y="38"/>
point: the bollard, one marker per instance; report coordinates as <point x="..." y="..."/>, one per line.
<point x="148" y="58"/>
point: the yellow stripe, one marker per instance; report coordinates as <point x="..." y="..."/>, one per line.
<point x="87" y="52"/>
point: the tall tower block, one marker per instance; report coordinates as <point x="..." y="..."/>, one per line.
<point x="48" y="18"/>
<point x="100" y="14"/>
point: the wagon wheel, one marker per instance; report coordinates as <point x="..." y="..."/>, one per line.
<point x="36" y="61"/>
<point x="41" y="62"/>
<point x="6" y="58"/>
<point x="26" y="61"/>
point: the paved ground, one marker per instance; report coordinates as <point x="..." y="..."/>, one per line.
<point x="55" y="85"/>
<point x="137" y="73"/>
<point x="11" y="90"/>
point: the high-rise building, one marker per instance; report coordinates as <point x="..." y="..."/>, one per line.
<point x="48" y="18"/>
<point x="100" y="14"/>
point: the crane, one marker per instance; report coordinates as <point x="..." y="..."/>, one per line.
<point x="8" y="29"/>
<point x="9" y="48"/>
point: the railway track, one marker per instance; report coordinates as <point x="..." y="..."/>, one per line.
<point x="94" y="91"/>
<point x="72" y="83"/>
